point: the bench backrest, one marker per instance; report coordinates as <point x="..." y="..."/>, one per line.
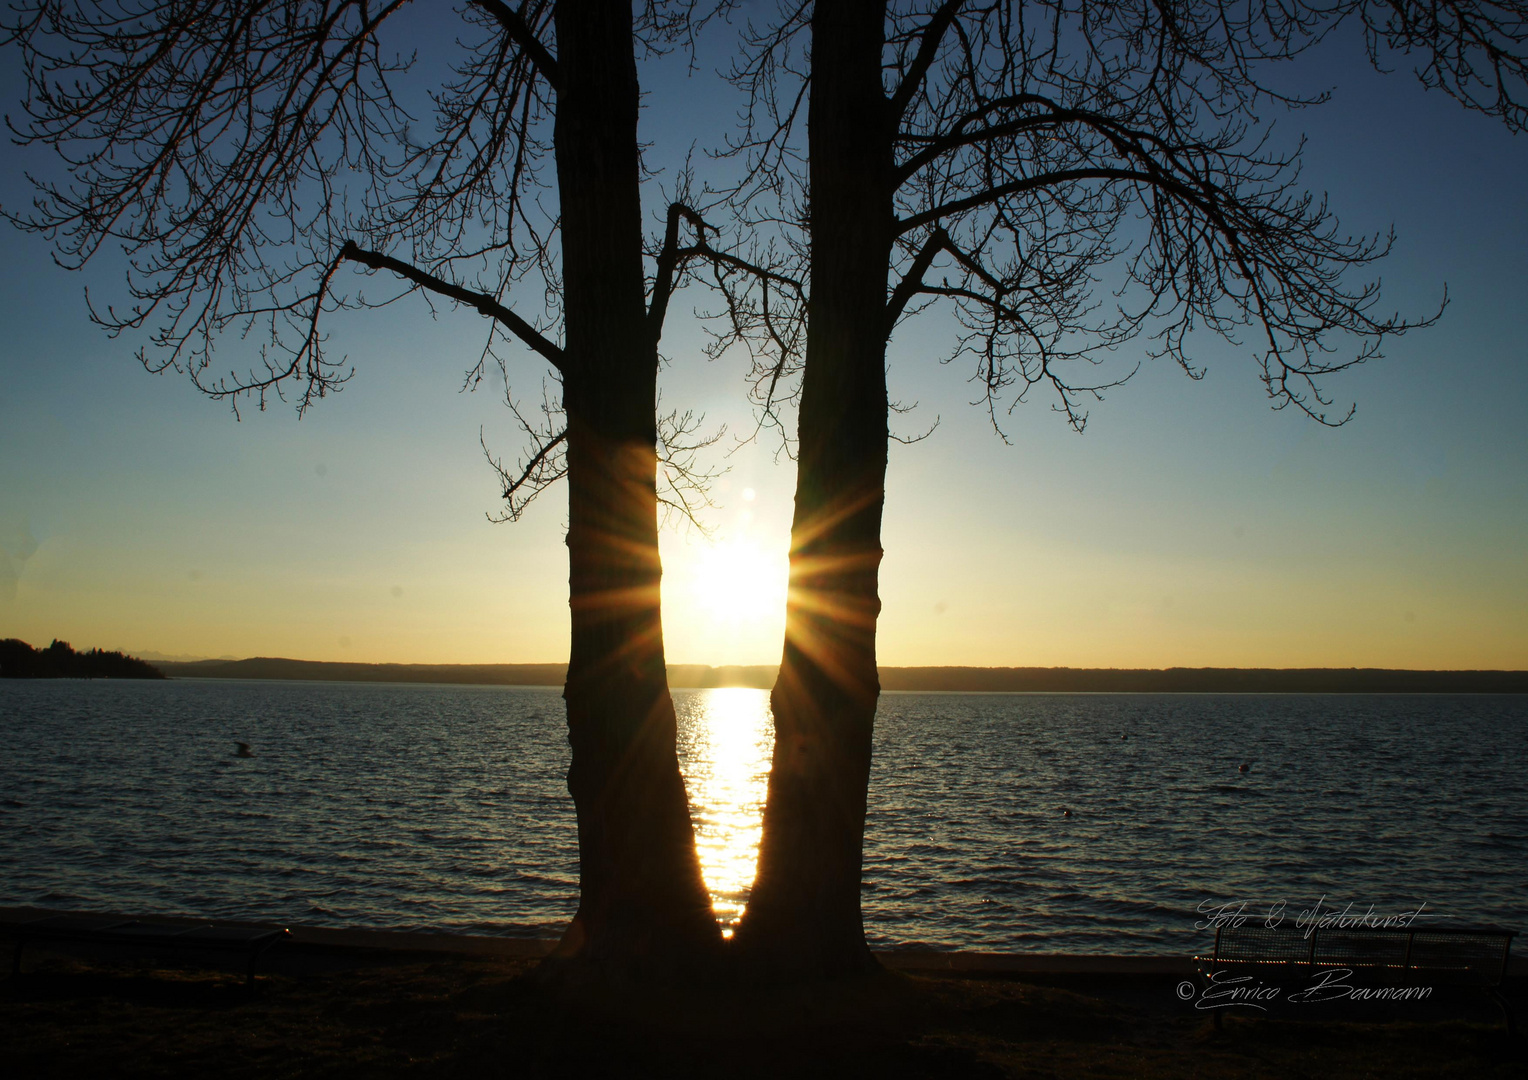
<point x="1469" y="954"/>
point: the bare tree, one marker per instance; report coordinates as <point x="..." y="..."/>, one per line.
<point x="1066" y="177"/>
<point x="249" y="155"/>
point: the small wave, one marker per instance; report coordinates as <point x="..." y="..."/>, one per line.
<point x="962" y="836"/>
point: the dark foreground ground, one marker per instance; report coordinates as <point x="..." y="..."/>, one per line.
<point x="368" y="1013"/>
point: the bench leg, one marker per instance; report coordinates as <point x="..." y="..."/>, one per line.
<point x="254" y="957"/>
<point x="1506" y="1010"/>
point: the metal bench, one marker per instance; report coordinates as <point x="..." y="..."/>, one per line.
<point x="205" y="938"/>
<point x="1461" y="956"/>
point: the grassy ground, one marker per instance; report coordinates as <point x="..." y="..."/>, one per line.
<point x="372" y="1014"/>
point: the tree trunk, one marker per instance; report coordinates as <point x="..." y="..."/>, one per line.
<point x="803" y="919"/>
<point x="643" y="910"/>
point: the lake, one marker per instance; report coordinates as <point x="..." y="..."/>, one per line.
<point x="1016" y="822"/>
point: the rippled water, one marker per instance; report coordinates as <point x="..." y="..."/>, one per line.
<point x="444" y="807"/>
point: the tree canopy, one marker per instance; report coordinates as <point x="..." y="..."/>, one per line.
<point x="1065" y="178"/>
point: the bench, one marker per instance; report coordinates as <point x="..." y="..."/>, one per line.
<point x="159" y="937"/>
<point x="1246" y="955"/>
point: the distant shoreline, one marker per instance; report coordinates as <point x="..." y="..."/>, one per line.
<point x="958" y="679"/>
<point x="18" y="660"/>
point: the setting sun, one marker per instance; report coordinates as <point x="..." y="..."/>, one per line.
<point x="736" y="580"/>
<point x="724" y="598"/>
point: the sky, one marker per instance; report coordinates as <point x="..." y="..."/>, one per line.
<point x="1189" y="525"/>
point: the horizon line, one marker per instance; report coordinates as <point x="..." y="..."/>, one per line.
<point x="920" y="678"/>
<point x="880" y="667"/>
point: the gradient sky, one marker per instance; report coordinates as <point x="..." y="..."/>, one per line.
<point x="1190" y="525"/>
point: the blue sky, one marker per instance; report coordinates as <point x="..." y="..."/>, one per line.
<point x="1190" y="525"/>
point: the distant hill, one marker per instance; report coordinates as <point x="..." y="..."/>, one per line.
<point x="18" y="660"/>
<point x="270" y="667"/>
<point x="1204" y="680"/>
<point x="963" y="679"/>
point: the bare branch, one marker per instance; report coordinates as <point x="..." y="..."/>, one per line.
<point x="481" y="302"/>
<point x="546" y="462"/>
<point x="521" y="33"/>
<point x="1019" y="187"/>
<point x="686" y="484"/>
<point x="928" y="48"/>
<point x="671" y="264"/>
<point x="912" y="281"/>
<point x="533" y="475"/>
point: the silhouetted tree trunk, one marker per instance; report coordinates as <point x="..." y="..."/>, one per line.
<point x="242" y="113"/>
<point x="803" y="919"/>
<point x="644" y="907"/>
<point x="997" y="176"/>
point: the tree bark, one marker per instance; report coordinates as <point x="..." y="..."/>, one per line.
<point x="803" y="918"/>
<point x="643" y="909"/>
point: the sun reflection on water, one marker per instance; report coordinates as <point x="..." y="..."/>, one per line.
<point x="725" y="739"/>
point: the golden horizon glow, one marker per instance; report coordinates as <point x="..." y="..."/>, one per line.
<point x="987" y="585"/>
<point x="726" y="738"/>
